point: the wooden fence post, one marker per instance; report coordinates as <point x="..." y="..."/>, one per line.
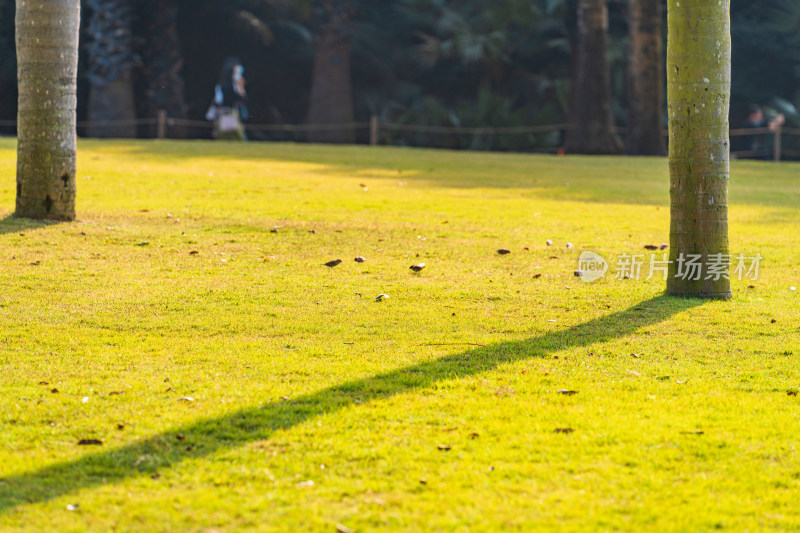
<point x="374" y="130"/>
<point x="162" y="124"/>
<point x="777" y="148"/>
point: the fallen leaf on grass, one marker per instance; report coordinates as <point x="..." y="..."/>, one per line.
<point x="54" y="391"/>
<point x="693" y="432"/>
<point x="115" y="393"/>
<point x="474" y="435"/>
<point x="634" y="373"/>
<point x="567" y="392"/>
<point x="564" y="430"/>
<point x="444" y="447"/>
<point x="307" y="483"/>
<point x="791" y="393"/>
<point x="537" y="276"/>
<point x="343" y="529"/>
<point x="90" y="442"/>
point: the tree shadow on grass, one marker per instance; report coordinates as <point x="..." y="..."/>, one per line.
<point x="260" y="422"/>
<point x="13" y="224"/>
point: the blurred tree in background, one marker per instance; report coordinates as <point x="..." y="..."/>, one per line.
<point x="160" y="84"/>
<point x="112" y="57"/>
<point x="645" y="79"/>
<point x="454" y="63"/>
<point x="593" y="130"/>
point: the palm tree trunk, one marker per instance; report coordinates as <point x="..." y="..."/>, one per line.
<point x="698" y="92"/>
<point x="47" y="68"/>
<point x="111" y="62"/>
<point x="331" y="87"/>
<point x="646" y="79"/>
<point x="592" y="122"/>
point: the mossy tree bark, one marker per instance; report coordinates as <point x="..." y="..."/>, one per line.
<point x="47" y="66"/>
<point x="645" y="79"/>
<point x="591" y="118"/>
<point x="698" y="93"/>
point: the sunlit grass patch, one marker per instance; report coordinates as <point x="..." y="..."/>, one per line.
<point x="187" y="322"/>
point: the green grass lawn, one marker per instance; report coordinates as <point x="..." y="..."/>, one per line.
<point x="235" y="383"/>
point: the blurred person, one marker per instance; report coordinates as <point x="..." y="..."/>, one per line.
<point x="229" y="108"/>
<point x="758" y="145"/>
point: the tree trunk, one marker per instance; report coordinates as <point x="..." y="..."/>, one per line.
<point x="645" y="78"/>
<point x="331" y="89"/>
<point x="698" y="92"/>
<point x="109" y="103"/>
<point x="592" y="122"/>
<point x="47" y="68"/>
<point x="162" y="58"/>
<point x="111" y="61"/>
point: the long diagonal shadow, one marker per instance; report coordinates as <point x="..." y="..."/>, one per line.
<point x="257" y="423"/>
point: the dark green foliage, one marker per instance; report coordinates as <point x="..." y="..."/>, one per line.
<point x="161" y="81"/>
<point x="8" y="64"/>
<point x="435" y="62"/>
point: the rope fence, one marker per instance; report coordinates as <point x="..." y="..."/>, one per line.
<point x="764" y="143"/>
